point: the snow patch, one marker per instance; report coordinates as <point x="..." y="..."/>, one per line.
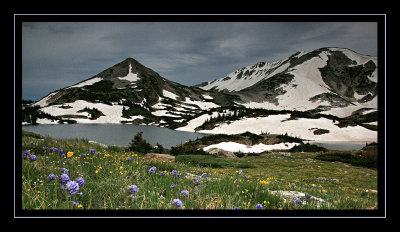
<point x="132" y="77"/>
<point x="88" y="82"/>
<point x="258" y="148"/>
<point x="169" y="94"/>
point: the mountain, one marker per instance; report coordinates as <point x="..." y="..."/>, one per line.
<point x="324" y="79"/>
<point x="327" y="94"/>
<point x="129" y="92"/>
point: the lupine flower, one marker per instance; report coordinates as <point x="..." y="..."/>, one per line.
<point x="53" y="149"/>
<point x="259" y="206"/>
<point x="292" y="186"/>
<point x="235" y="208"/>
<point x="133" y="188"/>
<point x="177" y="202"/>
<point x="72" y="187"/>
<point x="128" y="159"/>
<point x="306" y="196"/>
<point x="98" y="153"/>
<point x="203" y="175"/>
<point x="162" y="173"/>
<point x="64" y="178"/>
<point x="172" y="185"/>
<point x="133" y="197"/>
<point x="52" y="177"/>
<point x="24" y="156"/>
<point x="298" y="201"/>
<point x="240" y="172"/>
<point x="152" y="170"/>
<point x="184" y="192"/>
<point x="80" y="181"/>
<point x="75" y="203"/>
<point x="75" y="144"/>
<point x="329" y="199"/>
<point x="32" y="157"/>
<point x="83" y="155"/>
<point x="27" y="152"/>
<point x="62" y="155"/>
<point x="60" y="150"/>
<point x="44" y="148"/>
<point x="246" y="177"/>
<point x="91" y="151"/>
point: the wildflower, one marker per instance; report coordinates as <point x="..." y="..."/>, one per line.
<point x="91" y="151"/>
<point x="133" y="188"/>
<point x="69" y="154"/>
<point x="203" y="175"/>
<point x="185" y="193"/>
<point x="32" y="157"/>
<point x="75" y="144"/>
<point x="64" y="178"/>
<point x="235" y="208"/>
<point x="177" y="202"/>
<point x="64" y="170"/>
<point x="298" y="201"/>
<point x="53" y="149"/>
<point x="133" y="197"/>
<point x="247" y="178"/>
<point x="80" y="206"/>
<point x="72" y="187"/>
<point x="172" y="185"/>
<point x="259" y="206"/>
<point x="329" y="199"/>
<point x="44" y="148"/>
<point x="306" y="196"/>
<point x="27" y="152"/>
<point x="60" y="150"/>
<point x="24" y="156"/>
<point x="162" y="173"/>
<point x="198" y="181"/>
<point x="83" y="155"/>
<point x="240" y="172"/>
<point x="173" y="173"/>
<point x="152" y="170"/>
<point x="62" y="155"/>
<point x="292" y="186"/>
<point x="52" y="177"/>
<point x="80" y="181"/>
<point x="129" y="159"/>
<point x="75" y="203"/>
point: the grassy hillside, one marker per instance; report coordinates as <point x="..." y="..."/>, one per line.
<point x="243" y="183"/>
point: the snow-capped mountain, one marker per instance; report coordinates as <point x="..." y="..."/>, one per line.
<point x="325" y="94"/>
<point x="336" y="80"/>
<point x="126" y="92"/>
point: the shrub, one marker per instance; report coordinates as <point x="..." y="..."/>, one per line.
<point x="140" y="145"/>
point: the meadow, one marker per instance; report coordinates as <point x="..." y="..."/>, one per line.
<point x="56" y="175"/>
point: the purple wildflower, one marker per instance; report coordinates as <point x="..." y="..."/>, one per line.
<point x="91" y="151"/>
<point x="259" y="206"/>
<point x="32" y="157"/>
<point x="60" y="150"/>
<point x="53" y="149"/>
<point x="185" y="193"/>
<point x="75" y="203"/>
<point x="203" y="175"/>
<point x="24" y="156"/>
<point x="240" y="172"/>
<point x="64" y="178"/>
<point x="298" y="201"/>
<point x="44" y="148"/>
<point x="52" y="177"/>
<point x="173" y="173"/>
<point x="129" y="159"/>
<point x="83" y="155"/>
<point x="172" y="185"/>
<point x="247" y="178"/>
<point x="292" y="186"/>
<point x="72" y="187"/>
<point x="306" y="196"/>
<point x="80" y="181"/>
<point x="162" y="173"/>
<point x="133" y="197"/>
<point x="27" y="152"/>
<point x="177" y="202"/>
<point x="198" y="181"/>
<point x="133" y="188"/>
<point x="152" y="170"/>
<point x="235" y="208"/>
<point x="64" y="170"/>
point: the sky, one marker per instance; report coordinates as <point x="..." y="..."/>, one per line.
<point x="59" y="54"/>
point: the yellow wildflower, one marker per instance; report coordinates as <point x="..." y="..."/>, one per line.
<point x="69" y="154"/>
<point x="79" y="206"/>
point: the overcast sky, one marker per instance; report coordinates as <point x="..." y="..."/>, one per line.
<point x="59" y="54"/>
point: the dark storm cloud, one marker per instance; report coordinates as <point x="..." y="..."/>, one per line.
<point x="56" y="55"/>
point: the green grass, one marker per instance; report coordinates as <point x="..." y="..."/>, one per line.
<point x="108" y="175"/>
